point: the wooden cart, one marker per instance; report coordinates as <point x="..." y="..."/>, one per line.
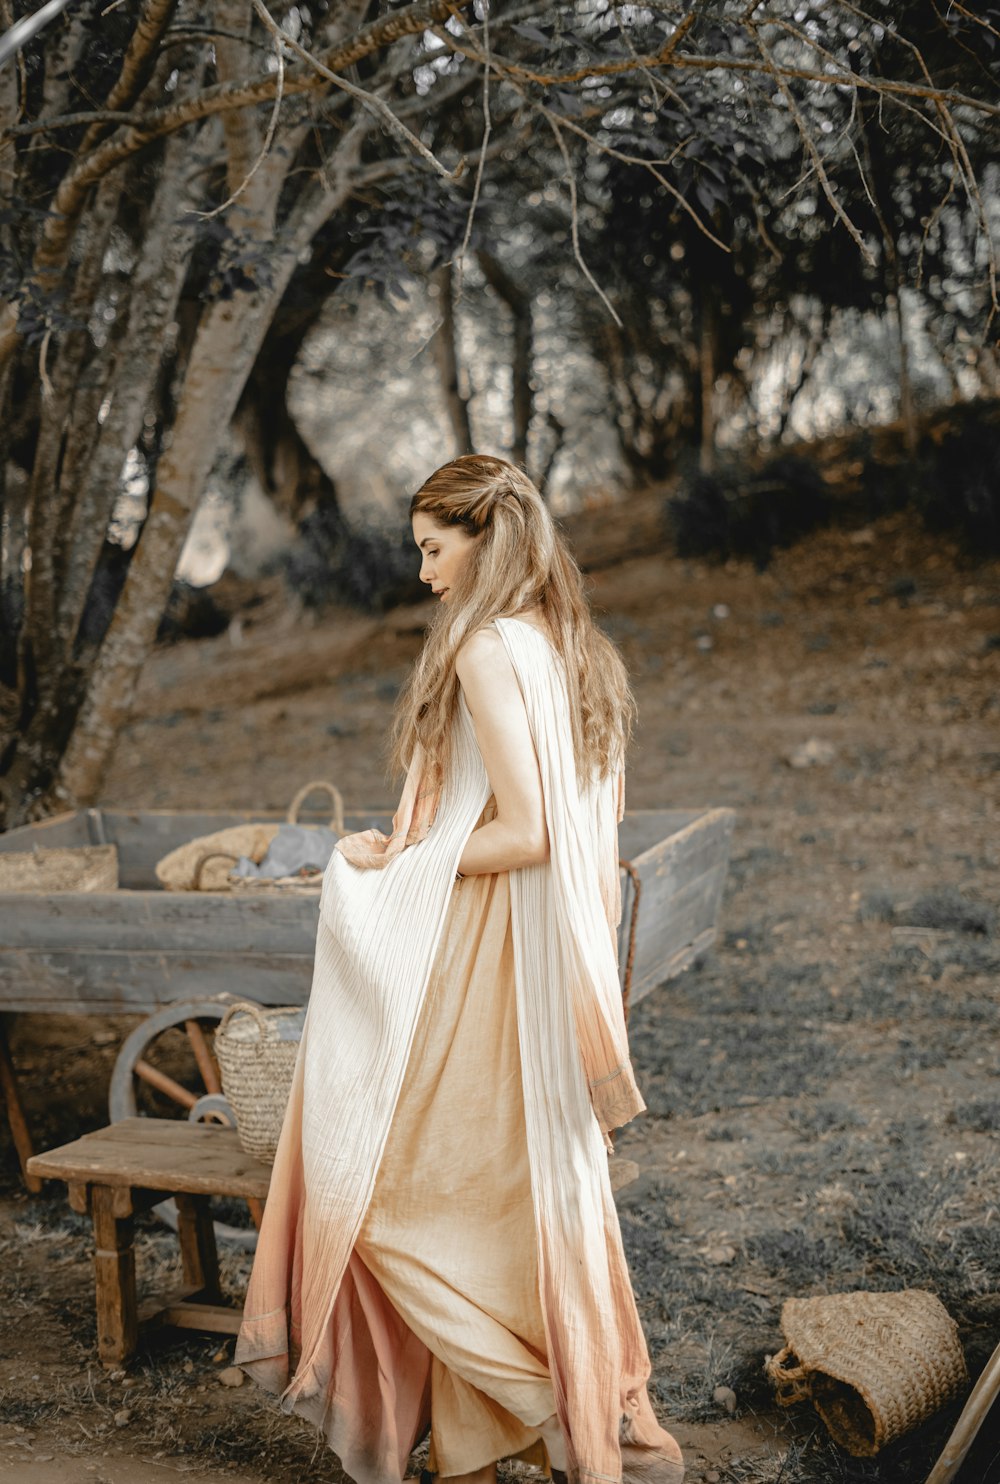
<point x="177" y="959"/>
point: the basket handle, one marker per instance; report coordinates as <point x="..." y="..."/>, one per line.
<point x="792" y="1383"/>
<point x="209" y="855"/>
<point x="336" y="819"/>
<point x="252" y="1008"/>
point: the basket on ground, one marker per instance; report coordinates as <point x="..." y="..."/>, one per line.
<point x="257" y="1060"/>
<point x="874" y="1365"/>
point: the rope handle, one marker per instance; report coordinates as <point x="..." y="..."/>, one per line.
<point x="633" y="920"/>
<point x="209" y="855"/>
<point x="337" y="817"/>
<point x="792" y="1383"/>
<point x="265" y="1029"/>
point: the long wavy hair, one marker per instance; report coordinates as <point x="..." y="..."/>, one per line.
<point x="519" y="560"/>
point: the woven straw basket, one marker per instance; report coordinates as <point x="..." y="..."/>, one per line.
<point x="182" y="869"/>
<point x="307" y="882"/>
<point x="874" y="1365"/>
<point x="60" y="868"/>
<point x="204" y="864"/>
<point x="257" y="1059"/>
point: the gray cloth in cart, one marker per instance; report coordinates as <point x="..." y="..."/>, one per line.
<point x="294" y="846"/>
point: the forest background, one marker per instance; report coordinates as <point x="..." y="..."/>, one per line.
<point x="297" y="257"/>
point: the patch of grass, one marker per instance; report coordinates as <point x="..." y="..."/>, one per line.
<point x="799" y="1259"/>
<point x="268" y="1446"/>
<point x="907" y="1131"/>
<point x="947" y="908"/>
<point x="25" y="1412"/>
<point x="777" y="1161"/>
<point x="914" y="1055"/>
<point x="824" y="1116"/>
<point x="708" y="1362"/>
<point x="724" y="1133"/>
<point x="943" y="908"/>
<point x="981" y="1115"/>
<point x="751" y="864"/>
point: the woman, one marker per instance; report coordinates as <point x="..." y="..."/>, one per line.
<point x="440" y="1248"/>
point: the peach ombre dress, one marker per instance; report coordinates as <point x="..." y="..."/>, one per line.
<point x="440" y="1248"/>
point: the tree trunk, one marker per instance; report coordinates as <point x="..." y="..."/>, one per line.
<point x="558" y="431"/>
<point x="807" y="362"/>
<point x="629" y="417"/>
<point x="522" y="396"/>
<point x="223" y="355"/>
<point x="159" y="275"/>
<point x="707" y="360"/>
<point x="879" y="187"/>
<point x="447" y="355"/>
<point x="281" y="461"/>
<point x="907" y="406"/>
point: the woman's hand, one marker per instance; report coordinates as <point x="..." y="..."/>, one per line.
<point x="517" y="836"/>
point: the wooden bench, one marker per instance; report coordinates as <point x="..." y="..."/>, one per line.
<point x="117" y="1171"/>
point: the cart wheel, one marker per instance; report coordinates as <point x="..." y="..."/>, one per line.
<point x="153" y="1076"/>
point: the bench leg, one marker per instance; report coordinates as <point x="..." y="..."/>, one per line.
<point x="114" y="1264"/>
<point x="15" y="1113"/>
<point x="199" y="1254"/>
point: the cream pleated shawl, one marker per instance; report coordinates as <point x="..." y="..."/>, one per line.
<point x="384" y="901"/>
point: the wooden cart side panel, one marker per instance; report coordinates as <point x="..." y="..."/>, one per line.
<point x="675" y="858"/>
<point x="681" y="882"/>
<point x="161" y="922"/>
<point x="690" y="918"/>
<point x="643" y="830"/>
<point x="144" y="836"/>
<point x="134" y="983"/>
<point x="68" y="828"/>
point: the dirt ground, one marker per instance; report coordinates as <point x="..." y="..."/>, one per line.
<point x="823" y="1087"/>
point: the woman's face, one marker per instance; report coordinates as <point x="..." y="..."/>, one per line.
<point x="444" y="550"/>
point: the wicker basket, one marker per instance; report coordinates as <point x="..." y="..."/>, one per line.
<point x="309" y="881"/>
<point x="204" y="864"/>
<point x="182" y="869"/>
<point x="257" y="1059"/>
<point x="60" y="868"/>
<point x="874" y="1365"/>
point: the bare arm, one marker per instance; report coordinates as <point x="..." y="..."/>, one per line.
<point x="517" y="836"/>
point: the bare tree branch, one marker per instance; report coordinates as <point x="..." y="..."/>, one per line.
<point x="810" y="143"/>
<point x="137" y="65"/>
<point x="368" y="100"/>
<point x="574" y="220"/>
<point x="237" y="137"/>
<point x="487" y="128"/>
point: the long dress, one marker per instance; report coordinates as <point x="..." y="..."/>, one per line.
<point x="440" y="1248"/>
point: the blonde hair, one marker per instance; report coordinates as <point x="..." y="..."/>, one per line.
<point x="519" y="560"/>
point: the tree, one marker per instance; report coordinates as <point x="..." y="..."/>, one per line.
<point x="176" y="171"/>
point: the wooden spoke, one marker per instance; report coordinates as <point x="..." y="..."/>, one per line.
<point x="207" y="1065"/>
<point x="163" y="1083"/>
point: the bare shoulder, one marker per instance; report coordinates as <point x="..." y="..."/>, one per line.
<point x="482" y="654"/>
